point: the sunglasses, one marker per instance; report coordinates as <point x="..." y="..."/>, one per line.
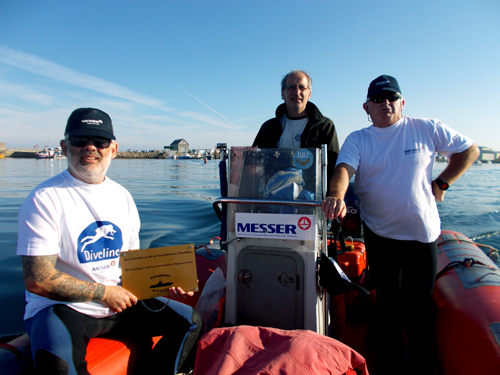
<point x="82" y="142"/>
<point x="381" y="97"/>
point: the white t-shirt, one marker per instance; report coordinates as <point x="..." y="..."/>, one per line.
<point x="394" y="175"/>
<point x="86" y="225"/>
<point x="292" y="132"/>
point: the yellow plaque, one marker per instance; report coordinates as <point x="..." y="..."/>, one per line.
<point x="149" y="273"/>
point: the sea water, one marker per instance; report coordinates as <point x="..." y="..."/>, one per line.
<point x="175" y="202"/>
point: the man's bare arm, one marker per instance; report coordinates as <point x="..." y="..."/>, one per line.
<point x="456" y="167"/>
<point x="41" y="277"/>
<point x="334" y="205"/>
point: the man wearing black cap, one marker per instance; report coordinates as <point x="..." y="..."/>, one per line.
<point x="393" y="162"/>
<point x="72" y="229"/>
<point x="88" y="125"/>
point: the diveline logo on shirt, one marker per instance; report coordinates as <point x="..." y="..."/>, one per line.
<point x="279" y="226"/>
<point x="101" y="240"/>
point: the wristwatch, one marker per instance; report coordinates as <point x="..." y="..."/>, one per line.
<point x="443" y="185"/>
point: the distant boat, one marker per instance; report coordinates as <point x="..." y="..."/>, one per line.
<point x="185" y="156"/>
<point x="42" y="155"/>
<point x="49" y="153"/>
<point x="58" y="154"/>
<point x="46" y="153"/>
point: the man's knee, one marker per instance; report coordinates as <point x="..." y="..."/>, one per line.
<point x="49" y="363"/>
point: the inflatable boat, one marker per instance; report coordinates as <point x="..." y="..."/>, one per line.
<point x="466" y="297"/>
<point x="293" y="281"/>
<point x="467" y="300"/>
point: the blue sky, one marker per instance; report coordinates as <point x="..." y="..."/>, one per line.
<point x="209" y="71"/>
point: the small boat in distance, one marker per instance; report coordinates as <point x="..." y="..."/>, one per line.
<point x="46" y="153"/>
<point x="49" y="153"/>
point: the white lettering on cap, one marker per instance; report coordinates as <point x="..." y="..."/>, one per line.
<point x="92" y="122"/>
<point x="382" y="83"/>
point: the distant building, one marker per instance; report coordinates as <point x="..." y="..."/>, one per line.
<point x="488" y="155"/>
<point x="180" y="146"/>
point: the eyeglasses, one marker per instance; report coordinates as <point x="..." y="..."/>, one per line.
<point x="379" y="98"/>
<point x="295" y="87"/>
<point x="82" y="142"/>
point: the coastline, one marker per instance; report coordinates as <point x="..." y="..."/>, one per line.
<point x="27" y="153"/>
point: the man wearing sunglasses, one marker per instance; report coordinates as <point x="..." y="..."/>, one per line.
<point x="393" y="162"/>
<point x="298" y="122"/>
<point x="72" y="229"/>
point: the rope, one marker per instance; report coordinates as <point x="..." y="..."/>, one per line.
<point x="466" y="262"/>
<point x="493" y="254"/>
<point x="487" y="274"/>
<point x="205" y="246"/>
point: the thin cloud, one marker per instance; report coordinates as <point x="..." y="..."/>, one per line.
<point x="43" y="67"/>
<point x="9" y="90"/>
<point x="202" y="103"/>
<point x="208" y="120"/>
<point x="58" y="72"/>
<point x="255" y="117"/>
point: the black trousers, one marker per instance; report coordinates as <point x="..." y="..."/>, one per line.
<point x="403" y="274"/>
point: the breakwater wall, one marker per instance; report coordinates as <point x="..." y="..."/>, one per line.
<point x="140" y="155"/>
<point x="18" y="152"/>
<point x="28" y="153"/>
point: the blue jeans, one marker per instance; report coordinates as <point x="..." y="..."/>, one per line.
<point x="59" y="336"/>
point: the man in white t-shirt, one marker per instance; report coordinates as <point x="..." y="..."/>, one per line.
<point x="72" y="229"/>
<point x="393" y="162"/>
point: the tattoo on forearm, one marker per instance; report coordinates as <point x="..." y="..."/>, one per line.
<point x="73" y="290"/>
<point x="62" y="286"/>
<point x="98" y="294"/>
<point x="38" y="268"/>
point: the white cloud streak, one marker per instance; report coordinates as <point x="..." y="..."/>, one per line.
<point x="202" y="103"/>
<point x="39" y="111"/>
<point x="58" y="72"/>
<point x="40" y="66"/>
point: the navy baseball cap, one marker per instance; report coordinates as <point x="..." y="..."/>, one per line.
<point x="89" y="122"/>
<point x="383" y="83"/>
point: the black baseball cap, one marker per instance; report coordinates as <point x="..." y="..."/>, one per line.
<point x="89" y="122"/>
<point x="383" y="83"/>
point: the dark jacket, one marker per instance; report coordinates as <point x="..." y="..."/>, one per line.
<point x="319" y="130"/>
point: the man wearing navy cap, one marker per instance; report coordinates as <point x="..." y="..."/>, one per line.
<point x="72" y="229"/>
<point x="393" y="161"/>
